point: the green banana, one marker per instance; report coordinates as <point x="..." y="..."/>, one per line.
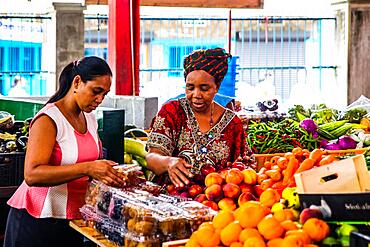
<point x="141" y="160"/>
<point x="135" y="147"/>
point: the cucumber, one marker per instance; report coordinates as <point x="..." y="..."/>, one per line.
<point x="358" y="126"/>
<point x="341" y="130"/>
<point x="135" y="147"/>
<point x="333" y="125"/>
<point x="326" y="134"/>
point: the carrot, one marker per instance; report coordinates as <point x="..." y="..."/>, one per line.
<point x="261" y="178"/>
<point x="276" y="167"/>
<point x="262" y="171"/>
<point x="273" y="174"/>
<point x="288" y="155"/>
<point x="297" y="151"/>
<point x="282" y="162"/>
<point x="267" y="164"/>
<point x="291" y="182"/>
<point x="289" y="171"/>
<point x="305" y="165"/>
<point x="265" y="184"/>
<point x="327" y="160"/>
<point x="316" y="154"/>
<point x="277" y="185"/>
<point x="274" y="159"/>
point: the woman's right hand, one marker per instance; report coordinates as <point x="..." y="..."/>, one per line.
<point x="178" y="171"/>
<point x="103" y="171"/>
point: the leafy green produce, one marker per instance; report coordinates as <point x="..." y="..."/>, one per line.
<point x="278" y="137"/>
<point x="298" y="113"/>
<point x="354" y="115"/>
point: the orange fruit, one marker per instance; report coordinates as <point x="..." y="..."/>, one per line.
<point x="248" y="233"/>
<point x="222" y="219"/>
<point x="231" y="233"/>
<point x="276" y="242"/>
<point x="300" y="234"/>
<point x="236" y="244"/>
<point x="292" y="241"/>
<point x="270" y="228"/>
<point x="251" y="214"/>
<point x="206" y="237"/>
<point x="237" y="212"/>
<point x="269" y="197"/>
<point x="192" y="243"/>
<point x="317" y="229"/>
<point x="284" y="214"/>
<point x="289" y="225"/>
<point x="207" y="224"/>
<point x="254" y="242"/>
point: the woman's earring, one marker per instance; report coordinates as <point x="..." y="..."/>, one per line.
<point x="74" y="91"/>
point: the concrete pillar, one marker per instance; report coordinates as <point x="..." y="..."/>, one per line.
<point x="353" y="22"/>
<point x="68" y="23"/>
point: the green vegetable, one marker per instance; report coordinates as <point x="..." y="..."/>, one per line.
<point x="135" y="147"/>
<point x="276" y="137"/>
<point x="354" y="115"/>
<point x="141" y="160"/>
<point x="326" y="134"/>
<point x="325" y="115"/>
<point x="344" y="129"/>
<point x="332" y="125"/>
<point x="298" y="113"/>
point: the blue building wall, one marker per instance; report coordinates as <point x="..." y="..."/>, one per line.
<point x="19" y="58"/>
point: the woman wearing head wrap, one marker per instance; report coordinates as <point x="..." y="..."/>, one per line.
<point x="193" y="136"/>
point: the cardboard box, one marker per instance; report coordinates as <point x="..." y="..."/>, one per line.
<point x="341" y="189"/>
<point x="348" y="175"/>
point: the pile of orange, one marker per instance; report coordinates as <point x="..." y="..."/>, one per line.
<point x="253" y="225"/>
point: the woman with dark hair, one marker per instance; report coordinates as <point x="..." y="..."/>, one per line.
<point x="194" y="135"/>
<point x="63" y="152"/>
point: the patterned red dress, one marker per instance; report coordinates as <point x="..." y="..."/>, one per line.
<point x="175" y="131"/>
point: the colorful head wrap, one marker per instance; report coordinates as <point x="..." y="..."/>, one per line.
<point x="212" y="61"/>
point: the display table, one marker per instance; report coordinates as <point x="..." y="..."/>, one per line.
<point x="91" y="233"/>
<point x="101" y="240"/>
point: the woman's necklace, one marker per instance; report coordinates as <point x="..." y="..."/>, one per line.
<point x="210" y="133"/>
<point x="211" y="120"/>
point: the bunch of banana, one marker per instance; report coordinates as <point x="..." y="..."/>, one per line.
<point x="135" y="153"/>
<point x="336" y="129"/>
<point x="135" y="150"/>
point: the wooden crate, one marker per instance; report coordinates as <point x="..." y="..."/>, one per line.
<point x="176" y="243"/>
<point x="262" y="158"/>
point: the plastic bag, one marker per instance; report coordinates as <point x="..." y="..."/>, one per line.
<point x="361" y="102"/>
